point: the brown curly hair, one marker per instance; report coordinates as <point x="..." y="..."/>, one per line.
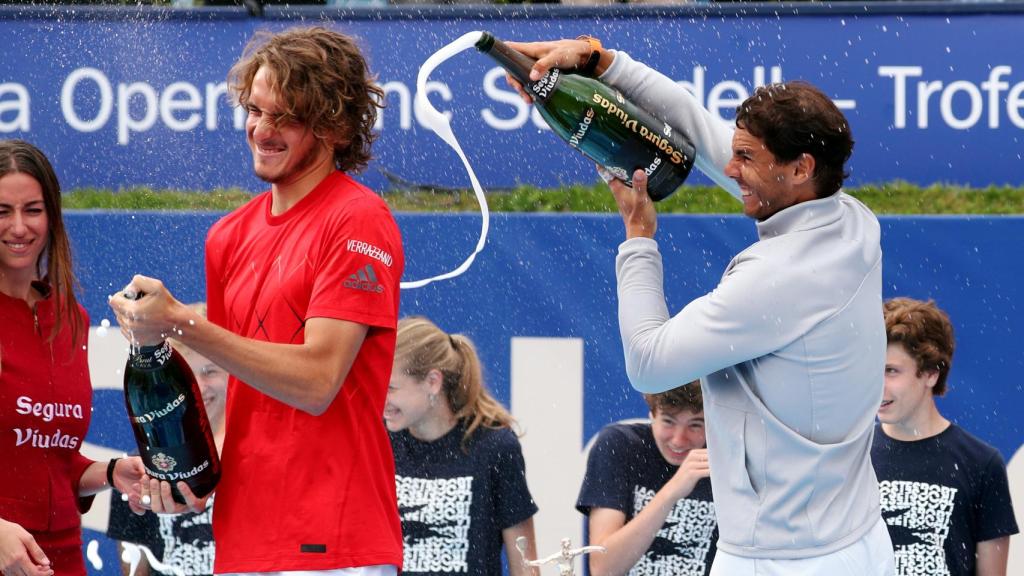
<point x="325" y="82"/>
<point x="794" y="118"/>
<point x="686" y="397"/>
<point x="926" y="334"/>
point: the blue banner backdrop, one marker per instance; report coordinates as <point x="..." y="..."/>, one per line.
<point x="123" y="97"/>
<point x="553" y="276"/>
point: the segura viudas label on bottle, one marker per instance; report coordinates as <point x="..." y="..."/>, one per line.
<point x="160" y="413"/>
<point x="164" y="466"/>
<point x="662" y="143"/>
<point x="151" y="357"/>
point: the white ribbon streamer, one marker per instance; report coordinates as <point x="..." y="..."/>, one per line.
<point x="439" y="124"/>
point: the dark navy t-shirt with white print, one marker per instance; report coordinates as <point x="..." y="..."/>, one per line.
<point x="624" y="472"/>
<point x="183" y="543"/>
<point x="940" y="496"/>
<point x="455" y="504"/>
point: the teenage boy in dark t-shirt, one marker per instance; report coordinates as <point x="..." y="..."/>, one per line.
<point x="646" y="492"/>
<point x="944" y="493"/>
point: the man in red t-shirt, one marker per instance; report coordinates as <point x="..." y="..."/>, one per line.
<point x="302" y="289"/>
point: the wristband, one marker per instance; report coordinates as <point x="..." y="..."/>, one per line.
<point x="590" y="66"/>
<point x="110" y="471"/>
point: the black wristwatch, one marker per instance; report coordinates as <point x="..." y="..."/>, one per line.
<point x="110" y="471"/>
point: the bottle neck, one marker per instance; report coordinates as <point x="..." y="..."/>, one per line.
<point x="517" y="63"/>
<point x="150" y="357"/>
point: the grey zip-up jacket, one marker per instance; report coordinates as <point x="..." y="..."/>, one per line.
<point x="789" y="347"/>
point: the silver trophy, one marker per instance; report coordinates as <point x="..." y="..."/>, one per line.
<point x="564" y="558"/>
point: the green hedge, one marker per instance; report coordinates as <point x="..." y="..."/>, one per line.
<point x="892" y="198"/>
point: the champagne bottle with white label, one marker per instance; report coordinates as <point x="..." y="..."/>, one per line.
<point x="171" y="427"/>
<point x="601" y="123"/>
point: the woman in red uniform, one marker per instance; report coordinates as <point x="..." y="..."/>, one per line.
<point x="45" y="392"/>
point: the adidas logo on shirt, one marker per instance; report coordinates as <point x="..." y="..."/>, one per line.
<point x="364" y="279"/>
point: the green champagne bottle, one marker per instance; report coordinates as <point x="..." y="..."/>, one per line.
<point x="602" y="124"/>
<point x="167" y="415"/>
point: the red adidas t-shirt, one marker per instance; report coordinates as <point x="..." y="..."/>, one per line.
<point x="303" y="492"/>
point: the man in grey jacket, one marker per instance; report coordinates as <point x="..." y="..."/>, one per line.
<point x="789" y="346"/>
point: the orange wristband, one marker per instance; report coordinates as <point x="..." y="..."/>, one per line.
<point x="590" y="66"/>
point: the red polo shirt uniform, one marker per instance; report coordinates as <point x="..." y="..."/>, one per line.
<point x="45" y="408"/>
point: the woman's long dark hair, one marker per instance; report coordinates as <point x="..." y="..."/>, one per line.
<point x="18" y="156"/>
